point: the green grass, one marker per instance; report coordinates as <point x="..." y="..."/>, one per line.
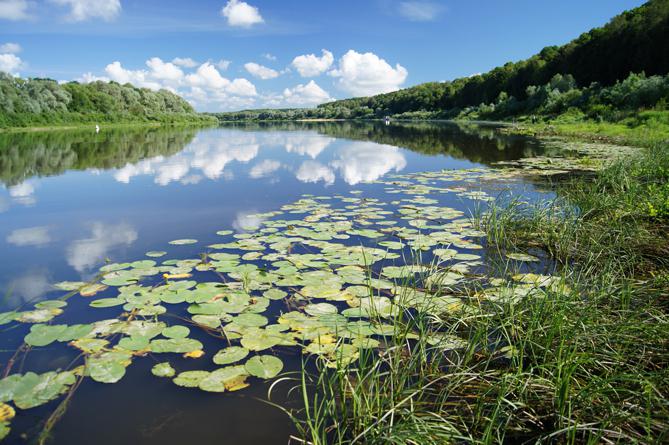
<point x="582" y="361"/>
<point x="645" y="128"/>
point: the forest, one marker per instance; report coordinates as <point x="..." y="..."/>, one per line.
<point x="36" y="102"/>
<point x="608" y="74"/>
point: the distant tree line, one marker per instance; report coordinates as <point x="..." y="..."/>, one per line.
<point x="29" y="102"/>
<point x="592" y="73"/>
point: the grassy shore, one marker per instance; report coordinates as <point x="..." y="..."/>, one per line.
<point x="583" y="360"/>
<point x="647" y="128"/>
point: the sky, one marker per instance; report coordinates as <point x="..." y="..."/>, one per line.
<point x="232" y="54"/>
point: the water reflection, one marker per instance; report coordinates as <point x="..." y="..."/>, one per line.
<point x="367" y="161"/>
<point x="307" y="144"/>
<point x="247" y="221"/>
<point x="264" y="168"/>
<point x="30" y="236"/>
<point x="28" y="287"/>
<point x="84" y="254"/>
<point x="313" y="171"/>
<point x="23" y="193"/>
<point x="185" y="156"/>
<point x="26" y="155"/>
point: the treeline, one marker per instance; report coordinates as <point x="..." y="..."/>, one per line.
<point x="30" y="102"/>
<point x="592" y="69"/>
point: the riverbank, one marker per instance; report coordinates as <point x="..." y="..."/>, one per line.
<point x="105" y="126"/>
<point x="646" y="129"/>
<point x="581" y="357"/>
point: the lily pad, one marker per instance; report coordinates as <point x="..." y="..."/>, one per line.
<point x="177" y="331"/>
<point x="175" y="345"/>
<point x="163" y="370"/>
<point x="182" y="242"/>
<point x="190" y="379"/>
<point x="264" y="366"/>
<point x="229" y="355"/>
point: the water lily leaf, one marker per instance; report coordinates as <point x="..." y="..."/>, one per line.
<point x="258" y="339"/>
<point x="51" y="304"/>
<point x="224" y="232"/>
<point x="155" y="253"/>
<point x="182" y="242"/>
<point x="69" y="285"/>
<point x="275" y="294"/>
<point x="316" y="309"/>
<point x="250" y="319"/>
<point x="134" y="343"/>
<point x="92" y="289"/>
<point x="8" y="317"/>
<point x="43" y="335"/>
<point x="176" y="345"/>
<point x="163" y="370"/>
<point x="223" y="379"/>
<point x="4" y="430"/>
<point x="107" y="302"/>
<point x="522" y="257"/>
<point x="211" y="321"/>
<point x="7" y="413"/>
<point x="230" y="355"/>
<point x="177" y="331"/>
<point x="39" y="315"/>
<point x="31" y="390"/>
<point x="108" y="367"/>
<point x="90" y="345"/>
<point x="190" y="379"/>
<point x="264" y="366"/>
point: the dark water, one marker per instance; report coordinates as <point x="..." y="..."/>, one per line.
<point x="70" y="200"/>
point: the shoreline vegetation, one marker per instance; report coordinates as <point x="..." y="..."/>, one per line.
<point x="585" y="361"/>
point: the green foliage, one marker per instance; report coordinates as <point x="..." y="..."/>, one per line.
<point x="34" y="102"/>
<point x="591" y="74"/>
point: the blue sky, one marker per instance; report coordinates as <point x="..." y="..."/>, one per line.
<point x="232" y="54"/>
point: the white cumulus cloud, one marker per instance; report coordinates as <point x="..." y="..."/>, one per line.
<point x="10" y="63"/>
<point x="81" y="10"/>
<point x="367" y="74"/>
<point x="140" y="78"/>
<point x="14" y="9"/>
<point x="260" y="71"/>
<point x="309" y="94"/>
<point x="310" y="65"/>
<point x="241" y="14"/>
<point x="223" y="64"/>
<point x="164" y="70"/>
<point x="10" y="48"/>
<point x="186" y="62"/>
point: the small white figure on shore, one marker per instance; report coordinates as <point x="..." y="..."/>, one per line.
<point x="97" y="128"/>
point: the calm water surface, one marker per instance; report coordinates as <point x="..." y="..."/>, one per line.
<point x="71" y="200"/>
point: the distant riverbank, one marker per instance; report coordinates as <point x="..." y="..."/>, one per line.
<point x="105" y="126"/>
